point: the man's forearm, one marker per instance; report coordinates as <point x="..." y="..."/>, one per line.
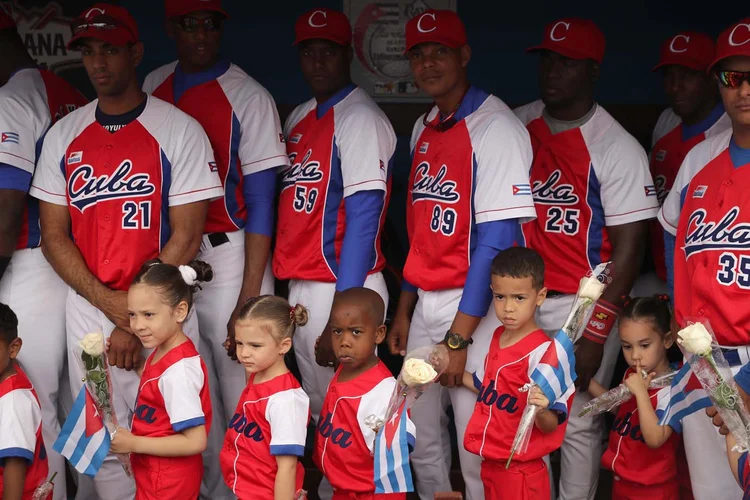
<point x="257" y="251"/>
<point x="11" y="207"/>
<point x="627" y="257"/>
<point x="181" y="248"/>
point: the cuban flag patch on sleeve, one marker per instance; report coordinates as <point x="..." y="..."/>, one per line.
<point x="650" y="190"/>
<point x="9" y="137"/>
<point x="700" y="191"/>
<point x="521" y="190"/>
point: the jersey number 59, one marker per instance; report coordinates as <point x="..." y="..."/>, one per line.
<point x="304" y="200"/>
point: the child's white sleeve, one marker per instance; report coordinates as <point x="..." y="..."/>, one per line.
<point x="663" y="398"/>
<point x="180" y="386"/>
<point x="20" y="417"/>
<point x="288" y="413"/>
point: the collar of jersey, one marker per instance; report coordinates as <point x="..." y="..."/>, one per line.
<point x="690" y="131"/>
<point x="472" y="100"/>
<point x="185" y="81"/>
<point x="336" y="98"/>
<point x="739" y="156"/>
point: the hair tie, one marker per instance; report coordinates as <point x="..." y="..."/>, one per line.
<point x="627" y="301"/>
<point x="663" y="297"/>
<point x="291" y="313"/>
<point x="188" y="274"/>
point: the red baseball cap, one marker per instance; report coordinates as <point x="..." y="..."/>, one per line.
<point x="105" y="22"/>
<point x="574" y="38"/>
<point x="326" y="24"/>
<point x="177" y="8"/>
<point x="733" y="41"/>
<point x="690" y="49"/>
<point x="436" y="26"/>
<point x="6" y="20"/>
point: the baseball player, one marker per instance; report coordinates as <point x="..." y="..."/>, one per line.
<point x="248" y="148"/>
<point x="122" y="180"/>
<point x="594" y="196"/>
<point x="695" y="113"/>
<point x="711" y="248"/>
<point x="469" y="188"/>
<point x="334" y="195"/>
<point x="31" y="100"/>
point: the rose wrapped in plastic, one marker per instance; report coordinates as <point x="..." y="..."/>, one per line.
<point x="93" y="361"/>
<point x="698" y="343"/>
<point x="620" y="394"/>
<point x="44" y="490"/>
<point x="590" y="289"/>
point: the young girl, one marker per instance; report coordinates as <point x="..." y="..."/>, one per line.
<point x="266" y="435"/>
<point x="173" y="409"/>
<point x="642" y="454"/>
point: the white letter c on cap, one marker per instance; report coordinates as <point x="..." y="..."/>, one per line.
<point x="731" y="35"/>
<point x="95" y="9"/>
<point x="552" y="31"/>
<point x="313" y="24"/>
<point x="677" y="51"/>
<point x="419" y="23"/>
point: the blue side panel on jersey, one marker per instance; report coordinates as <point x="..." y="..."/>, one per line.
<point x="683" y="195"/>
<point x="336" y="98"/>
<point x="596" y="228"/>
<point x="166" y="175"/>
<point x="233" y="175"/>
<point x="690" y="131"/>
<point x="331" y="209"/>
<point x="62" y="169"/>
<point x="35" y="231"/>
<point x="473" y="227"/>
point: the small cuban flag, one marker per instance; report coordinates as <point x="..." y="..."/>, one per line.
<point x="521" y="189"/>
<point x="686" y="396"/>
<point x="555" y="372"/>
<point x="392" y="445"/>
<point x="84" y="440"/>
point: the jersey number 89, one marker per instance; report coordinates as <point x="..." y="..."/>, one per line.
<point x="443" y="220"/>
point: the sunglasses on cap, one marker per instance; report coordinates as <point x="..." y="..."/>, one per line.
<point x="732" y="79"/>
<point x="100" y="22"/>
<point x="190" y="24"/>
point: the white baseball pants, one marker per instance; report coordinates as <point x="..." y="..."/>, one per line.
<point x="214" y="305"/>
<point x="81" y="318"/>
<point x="585" y="437"/>
<point x="37" y="295"/>
<point x="431" y="457"/>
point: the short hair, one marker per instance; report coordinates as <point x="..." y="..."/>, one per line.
<point x="8" y="324"/>
<point x="520" y="262"/>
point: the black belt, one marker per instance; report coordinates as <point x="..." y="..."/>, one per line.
<point x="218" y="239"/>
<point x="555" y="293"/>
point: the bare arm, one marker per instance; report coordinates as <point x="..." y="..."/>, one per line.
<point x="189" y="442"/>
<point x="398" y="334"/>
<point x="14" y="475"/>
<point x="285" y="484"/>
<point x="628" y="249"/>
<point x="468" y="382"/>
<point x="12" y="203"/>
<point x="654" y="434"/>
<point x="187" y="222"/>
<point x="596" y="389"/>
<point x="546" y="421"/>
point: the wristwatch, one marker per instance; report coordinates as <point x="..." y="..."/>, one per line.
<point x="455" y="342"/>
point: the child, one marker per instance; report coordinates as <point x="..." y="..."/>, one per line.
<point x="22" y="456"/>
<point x="266" y="436"/>
<point x="361" y="387"/>
<point x="643" y="455"/>
<point x="173" y="409"/>
<point x="518" y="289"/>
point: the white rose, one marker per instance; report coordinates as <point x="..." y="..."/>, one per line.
<point x="417" y="371"/>
<point x="92" y="344"/>
<point x="591" y="288"/>
<point x="695" y="339"/>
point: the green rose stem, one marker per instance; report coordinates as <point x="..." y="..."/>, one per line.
<point x="724" y="395"/>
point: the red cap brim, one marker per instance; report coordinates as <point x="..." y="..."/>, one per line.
<point x="322" y="36"/>
<point x="117" y="37"/>
<point x="694" y="65"/>
<point x="563" y="51"/>
<point x="184" y="12"/>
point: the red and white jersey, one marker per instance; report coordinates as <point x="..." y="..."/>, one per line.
<point x="476" y="171"/>
<point x="118" y="187"/>
<point x="343" y="443"/>
<point x="30" y="103"/>
<point x="21" y="430"/>
<point x="270" y="420"/>
<point x="497" y="413"/>
<point x="668" y="151"/>
<point x="336" y="149"/>
<point x="173" y="394"/>
<point x="242" y="123"/>
<point x="583" y="180"/>
<point x="712" y="249"/>
<point x="628" y="456"/>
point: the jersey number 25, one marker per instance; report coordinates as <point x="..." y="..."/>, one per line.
<point x="562" y="220"/>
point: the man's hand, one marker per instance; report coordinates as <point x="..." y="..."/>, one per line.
<point x="115" y="308"/>
<point x="124" y="350"/>
<point x="324" y="354"/>
<point x="398" y="335"/>
<point x="454" y="374"/>
<point x="229" y="344"/>
<point x="588" y="359"/>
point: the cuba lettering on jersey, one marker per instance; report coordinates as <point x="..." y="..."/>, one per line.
<point x="119" y="187"/>
<point x="667" y="154"/>
<point x="343" y="443"/>
<point x="629" y="457"/>
<point x="497" y="412"/>
<point x="21" y="429"/>
<point x="31" y="102"/>
<point x="336" y="149"/>
<point x="241" y="121"/>
<point x="476" y="171"/>
<point x="583" y="180"/>
<point x="270" y="420"/>
<point x="712" y="256"/>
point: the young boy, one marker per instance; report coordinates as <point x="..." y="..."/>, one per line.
<point x="361" y="387"/>
<point x="23" y="459"/>
<point x="517" y="346"/>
